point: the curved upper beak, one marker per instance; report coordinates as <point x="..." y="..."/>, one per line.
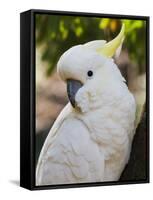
<point x="72" y="87"/>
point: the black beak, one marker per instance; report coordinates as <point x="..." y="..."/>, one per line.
<point x="72" y="87"/>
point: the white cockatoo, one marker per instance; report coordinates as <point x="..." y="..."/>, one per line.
<point x="90" y="140"/>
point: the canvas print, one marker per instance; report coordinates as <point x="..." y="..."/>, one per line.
<point x="90" y="99"/>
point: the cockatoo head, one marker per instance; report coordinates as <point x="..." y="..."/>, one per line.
<point x="90" y="71"/>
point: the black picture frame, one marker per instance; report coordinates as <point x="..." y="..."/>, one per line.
<point x="27" y="99"/>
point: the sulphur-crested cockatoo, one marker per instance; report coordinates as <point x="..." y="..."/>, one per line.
<point x="91" y="139"/>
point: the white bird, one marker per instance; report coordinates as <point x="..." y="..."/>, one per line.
<point x="91" y="139"/>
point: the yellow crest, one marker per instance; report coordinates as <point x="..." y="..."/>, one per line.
<point x="114" y="46"/>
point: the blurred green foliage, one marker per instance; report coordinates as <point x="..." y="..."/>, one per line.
<point x="57" y="33"/>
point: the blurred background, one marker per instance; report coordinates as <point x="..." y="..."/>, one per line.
<point x="55" y="34"/>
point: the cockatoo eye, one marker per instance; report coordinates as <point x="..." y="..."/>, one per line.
<point x="90" y="73"/>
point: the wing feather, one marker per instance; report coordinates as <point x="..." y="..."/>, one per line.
<point x="67" y="156"/>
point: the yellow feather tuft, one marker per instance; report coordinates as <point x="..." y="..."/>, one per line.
<point x="110" y="48"/>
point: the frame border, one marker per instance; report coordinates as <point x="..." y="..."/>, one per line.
<point x="27" y="98"/>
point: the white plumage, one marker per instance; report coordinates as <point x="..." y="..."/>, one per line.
<point x="91" y="140"/>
